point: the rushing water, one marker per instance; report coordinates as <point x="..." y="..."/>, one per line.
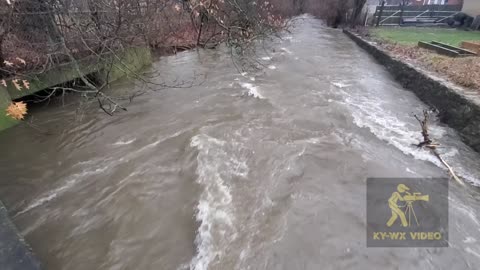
<point x="264" y="170"/>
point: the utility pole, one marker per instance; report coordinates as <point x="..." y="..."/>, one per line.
<point x="402" y="8"/>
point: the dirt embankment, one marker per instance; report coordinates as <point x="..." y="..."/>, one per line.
<point x="456" y="106"/>
<point x="464" y="71"/>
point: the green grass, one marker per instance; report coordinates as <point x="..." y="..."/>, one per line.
<point x="412" y="35"/>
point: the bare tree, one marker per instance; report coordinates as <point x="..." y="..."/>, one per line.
<point x="334" y="12"/>
<point x="46" y="33"/>
<point x="357" y="11"/>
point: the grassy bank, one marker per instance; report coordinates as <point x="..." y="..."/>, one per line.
<point x="412" y="35"/>
<point x="402" y="43"/>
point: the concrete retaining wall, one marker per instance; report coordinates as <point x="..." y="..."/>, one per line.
<point x="5" y="121"/>
<point x="459" y="107"/>
<point x="14" y="252"/>
<point x="110" y="68"/>
<point x="116" y="67"/>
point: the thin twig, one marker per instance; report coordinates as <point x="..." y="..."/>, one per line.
<point x="429" y="144"/>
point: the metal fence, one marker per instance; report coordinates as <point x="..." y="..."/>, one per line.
<point x="398" y="15"/>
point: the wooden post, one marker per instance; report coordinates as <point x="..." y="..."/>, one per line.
<point x="476" y="23"/>
<point x="380" y="13"/>
<point x="402" y="5"/>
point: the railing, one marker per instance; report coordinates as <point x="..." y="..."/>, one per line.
<point x="397" y="15"/>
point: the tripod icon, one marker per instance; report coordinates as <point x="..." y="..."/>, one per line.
<point x="409" y="211"/>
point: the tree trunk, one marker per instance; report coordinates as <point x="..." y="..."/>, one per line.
<point x="359" y="4"/>
<point x="202" y="21"/>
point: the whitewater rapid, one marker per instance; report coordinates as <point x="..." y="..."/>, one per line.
<point x="256" y="169"/>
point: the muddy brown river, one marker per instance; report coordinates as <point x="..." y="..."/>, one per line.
<point x="259" y="170"/>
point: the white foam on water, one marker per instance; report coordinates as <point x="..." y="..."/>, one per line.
<point x="37" y="223"/>
<point x="373" y="113"/>
<point x="154" y="144"/>
<point x="465" y="210"/>
<point x="79" y="177"/>
<point x="392" y="131"/>
<point x="410" y="171"/>
<point x="272" y="67"/>
<point x="286" y="50"/>
<point x="473" y="252"/>
<point x="252" y="90"/>
<point x="121" y="142"/>
<point x="340" y="84"/>
<point x="266" y="58"/>
<point x="87" y="162"/>
<point x="313" y="140"/>
<point x="215" y="211"/>
<point x="469" y="240"/>
<point x="52" y="194"/>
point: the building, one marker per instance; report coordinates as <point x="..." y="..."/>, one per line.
<point x="471" y="7"/>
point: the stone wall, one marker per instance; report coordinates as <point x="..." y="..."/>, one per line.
<point x="5" y="121"/>
<point x="131" y="61"/>
<point x="459" y="107"/>
<point x="15" y="254"/>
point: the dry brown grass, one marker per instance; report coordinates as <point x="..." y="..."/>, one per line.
<point x="464" y="71"/>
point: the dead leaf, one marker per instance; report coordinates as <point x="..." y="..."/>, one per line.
<point x="17" y="85"/>
<point x="17" y="110"/>
<point x="26" y="84"/>
<point x="21" y="61"/>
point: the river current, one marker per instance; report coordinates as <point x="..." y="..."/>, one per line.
<point x="253" y="170"/>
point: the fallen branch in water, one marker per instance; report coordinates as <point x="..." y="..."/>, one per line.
<point x="428" y="143"/>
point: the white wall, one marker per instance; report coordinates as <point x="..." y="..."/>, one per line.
<point x="436" y="2"/>
<point x="471" y="7"/>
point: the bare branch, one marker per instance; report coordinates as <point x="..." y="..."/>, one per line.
<point x="429" y="144"/>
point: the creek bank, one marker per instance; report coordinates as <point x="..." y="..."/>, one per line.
<point x="458" y="107"/>
<point x="15" y="254"/>
<point x="111" y="68"/>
